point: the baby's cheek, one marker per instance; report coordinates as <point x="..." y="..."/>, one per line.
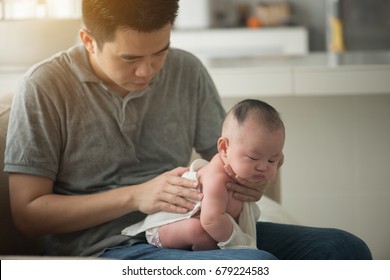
<point x="244" y="171"/>
<point x="272" y="172"/>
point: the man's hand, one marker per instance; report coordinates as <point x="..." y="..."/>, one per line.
<point x="249" y="191"/>
<point x="243" y="189"/>
<point x="168" y="192"/>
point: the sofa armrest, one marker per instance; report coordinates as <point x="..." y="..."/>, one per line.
<point x="12" y="242"/>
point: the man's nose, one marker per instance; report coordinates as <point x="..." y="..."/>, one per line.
<point x="145" y="68"/>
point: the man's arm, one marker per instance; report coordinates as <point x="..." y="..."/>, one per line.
<point x="37" y="210"/>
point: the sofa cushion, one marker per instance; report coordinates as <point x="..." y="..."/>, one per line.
<point x="5" y="105"/>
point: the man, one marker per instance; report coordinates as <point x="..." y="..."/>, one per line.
<point x="107" y="123"/>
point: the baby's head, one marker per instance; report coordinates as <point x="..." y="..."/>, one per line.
<point x="252" y="109"/>
<point x="252" y="139"/>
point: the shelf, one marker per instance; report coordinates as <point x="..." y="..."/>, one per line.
<point x="233" y="42"/>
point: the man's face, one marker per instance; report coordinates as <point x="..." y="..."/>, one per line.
<point x="132" y="60"/>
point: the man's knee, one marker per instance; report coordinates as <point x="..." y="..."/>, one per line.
<point x="342" y="245"/>
<point x="252" y="254"/>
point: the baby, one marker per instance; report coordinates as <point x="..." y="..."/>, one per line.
<point x="251" y="145"/>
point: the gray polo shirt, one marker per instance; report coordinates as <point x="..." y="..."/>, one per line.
<point x="67" y="126"/>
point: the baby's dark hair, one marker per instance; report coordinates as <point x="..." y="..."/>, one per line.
<point x="263" y="112"/>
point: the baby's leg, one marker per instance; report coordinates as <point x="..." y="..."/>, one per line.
<point x="186" y="234"/>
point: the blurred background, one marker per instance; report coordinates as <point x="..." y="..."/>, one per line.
<point x="324" y="64"/>
<point x="366" y="23"/>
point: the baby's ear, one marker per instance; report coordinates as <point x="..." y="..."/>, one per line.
<point x="223" y="144"/>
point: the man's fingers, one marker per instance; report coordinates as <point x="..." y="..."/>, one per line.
<point x="247" y="193"/>
<point x="168" y="207"/>
<point x="243" y="197"/>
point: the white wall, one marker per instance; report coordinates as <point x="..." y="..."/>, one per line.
<point x="337" y="166"/>
<point x="25" y="42"/>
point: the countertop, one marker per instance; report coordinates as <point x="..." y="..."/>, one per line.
<point x="321" y="59"/>
<point x="312" y="74"/>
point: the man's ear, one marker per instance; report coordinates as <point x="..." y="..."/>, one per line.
<point x="87" y="40"/>
<point x="223" y="144"/>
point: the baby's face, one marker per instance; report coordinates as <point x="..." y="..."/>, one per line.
<point x="254" y="152"/>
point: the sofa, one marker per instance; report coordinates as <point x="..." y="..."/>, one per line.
<point x="13" y="243"/>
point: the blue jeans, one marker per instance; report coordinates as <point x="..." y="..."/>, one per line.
<point x="275" y="241"/>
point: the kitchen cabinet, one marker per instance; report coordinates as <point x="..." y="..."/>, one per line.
<point x="314" y="74"/>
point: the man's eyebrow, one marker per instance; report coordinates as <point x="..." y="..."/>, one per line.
<point x="131" y="57"/>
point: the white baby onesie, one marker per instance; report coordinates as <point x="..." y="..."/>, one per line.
<point x="243" y="236"/>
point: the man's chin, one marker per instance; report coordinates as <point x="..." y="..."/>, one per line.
<point x="135" y="88"/>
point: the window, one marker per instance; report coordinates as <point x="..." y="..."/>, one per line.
<point x="29" y="9"/>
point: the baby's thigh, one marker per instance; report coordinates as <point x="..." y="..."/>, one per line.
<point x="234" y="206"/>
<point x="185" y="228"/>
<point x="182" y="234"/>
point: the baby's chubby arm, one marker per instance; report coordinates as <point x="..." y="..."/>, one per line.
<point x="214" y="204"/>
